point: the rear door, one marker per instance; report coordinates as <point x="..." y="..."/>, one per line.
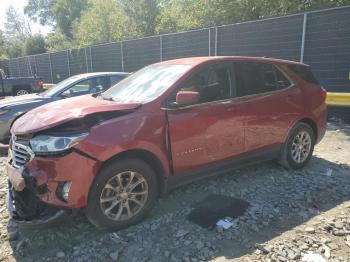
<point x="212" y="129"/>
<point x="272" y="103"/>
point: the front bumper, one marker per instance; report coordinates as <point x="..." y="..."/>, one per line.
<point x="44" y="177"/>
<point x="28" y="212"/>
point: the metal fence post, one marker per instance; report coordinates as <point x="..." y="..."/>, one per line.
<point x="18" y="69"/>
<point x="160" y="48"/>
<point x="30" y="66"/>
<point x="68" y="62"/>
<point x="51" y="68"/>
<point x="35" y="66"/>
<point x="122" y="55"/>
<point x="86" y="61"/>
<point x="216" y="41"/>
<point x="302" y="50"/>
<point x="209" y="41"/>
<point x="91" y="64"/>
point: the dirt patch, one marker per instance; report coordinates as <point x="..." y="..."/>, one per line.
<point x="291" y="213"/>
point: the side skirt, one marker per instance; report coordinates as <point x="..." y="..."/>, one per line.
<point x="222" y="167"/>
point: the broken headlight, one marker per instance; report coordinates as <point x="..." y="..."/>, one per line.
<point x="48" y="145"/>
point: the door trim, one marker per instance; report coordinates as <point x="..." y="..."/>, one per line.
<point x="224" y="166"/>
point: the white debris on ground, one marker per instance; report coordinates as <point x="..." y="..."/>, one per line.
<point x="293" y="216"/>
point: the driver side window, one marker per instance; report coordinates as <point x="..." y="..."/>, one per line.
<point x="212" y="83"/>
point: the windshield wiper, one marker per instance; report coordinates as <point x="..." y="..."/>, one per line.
<point x="105" y="97"/>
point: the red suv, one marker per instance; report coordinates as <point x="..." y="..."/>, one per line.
<point x="169" y="123"/>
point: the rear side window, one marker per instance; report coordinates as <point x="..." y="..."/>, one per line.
<point x="256" y="78"/>
<point x="304" y="72"/>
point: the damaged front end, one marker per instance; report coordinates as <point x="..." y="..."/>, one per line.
<point x="25" y="208"/>
<point x="49" y="175"/>
<point x="23" y="202"/>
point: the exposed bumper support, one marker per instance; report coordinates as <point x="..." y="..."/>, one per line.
<point x="27" y="211"/>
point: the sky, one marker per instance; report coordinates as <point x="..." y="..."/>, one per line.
<point x="20" y="4"/>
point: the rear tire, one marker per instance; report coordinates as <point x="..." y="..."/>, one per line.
<point x="19" y="91"/>
<point x="298" y="147"/>
<point x="122" y="194"/>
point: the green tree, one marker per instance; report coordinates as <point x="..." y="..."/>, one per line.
<point x="3" y="54"/>
<point x="16" y="24"/>
<point x="265" y="8"/>
<point x="180" y="15"/>
<point x="56" y="40"/>
<point x="34" y="45"/>
<point x="143" y="13"/>
<point x="62" y="14"/>
<point x="84" y="22"/>
<point x="40" y="11"/>
<point x="14" y="48"/>
<point x="103" y="22"/>
<point x="66" y="13"/>
<point x="17" y="30"/>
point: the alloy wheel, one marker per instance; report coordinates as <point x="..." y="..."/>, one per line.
<point x="124" y="195"/>
<point x="22" y="92"/>
<point x="301" y="147"/>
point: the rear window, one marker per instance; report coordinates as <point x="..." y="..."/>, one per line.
<point x="304" y="72"/>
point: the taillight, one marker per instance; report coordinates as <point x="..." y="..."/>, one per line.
<point x="323" y="93"/>
<point x="39" y="82"/>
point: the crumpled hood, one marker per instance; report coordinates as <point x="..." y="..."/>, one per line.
<point x="20" y="100"/>
<point x="65" y="110"/>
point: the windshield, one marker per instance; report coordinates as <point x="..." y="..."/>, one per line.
<point x="146" y="84"/>
<point x="60" y="86"/>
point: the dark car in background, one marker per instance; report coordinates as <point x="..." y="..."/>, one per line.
<point x="90" y="83"/>
<point x="16" y="86"/>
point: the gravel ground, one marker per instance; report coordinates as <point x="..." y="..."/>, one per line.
<point x="293" y="216"/>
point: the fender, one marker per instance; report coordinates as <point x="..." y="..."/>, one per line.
<point x="136" y="131"/>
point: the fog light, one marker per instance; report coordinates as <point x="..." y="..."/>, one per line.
<point x="65" y="190"/>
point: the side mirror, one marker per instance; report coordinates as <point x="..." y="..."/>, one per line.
<point x="66" y="94"/>
<point x="186" y="98"/>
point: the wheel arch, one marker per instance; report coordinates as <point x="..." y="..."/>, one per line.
<point x="23" y="86"/>
<point x="312" y="124"/>
<point x="148" y="157"/>
<point x="16" y="117"/>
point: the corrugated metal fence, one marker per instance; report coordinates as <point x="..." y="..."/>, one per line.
<point x="320" y="39"/>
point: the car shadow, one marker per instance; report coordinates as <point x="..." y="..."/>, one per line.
<point x="279" y="200"/>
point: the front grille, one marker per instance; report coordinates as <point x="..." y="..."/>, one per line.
<point x="21" y="152"/>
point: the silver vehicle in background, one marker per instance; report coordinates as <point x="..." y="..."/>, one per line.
<point x="77" y="85"/>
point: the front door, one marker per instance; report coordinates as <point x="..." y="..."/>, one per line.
<point x="212" y="129"/>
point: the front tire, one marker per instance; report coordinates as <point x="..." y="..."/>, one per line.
<point x="298" y="148"/>
<point x="122" y="194"/>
